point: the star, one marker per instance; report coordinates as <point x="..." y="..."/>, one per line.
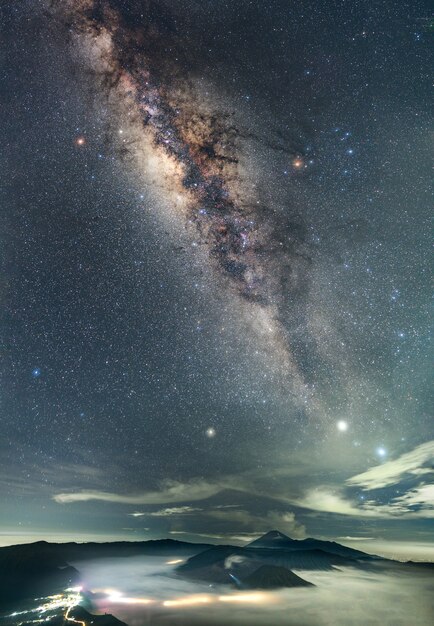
<point x="236" y="254"/>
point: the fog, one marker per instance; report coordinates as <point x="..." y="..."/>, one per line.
<point x="397" y="550"/>
<point x="146" y="590"/>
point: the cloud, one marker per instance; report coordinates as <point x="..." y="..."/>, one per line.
<point x="350" y="596"/>
<point x="419" y="501"/>
<point x="348" y="538"/>
<point x="171" y="491"/>
<point x="225" y="537"/>
<point x="416" y="503"/>
<point x="284" y="521"/>
<point x="393" y="472"/>
<point x="253" y="523"/>
<point x="227" y="506"/>
<point x="328" y="500"/>
<point x="176" y="510"/>
<point x="400" y="550"/>
<point x="231" y="560"/>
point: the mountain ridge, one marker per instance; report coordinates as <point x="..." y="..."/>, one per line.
<point x="274" y="539"/>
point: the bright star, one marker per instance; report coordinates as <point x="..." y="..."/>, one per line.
<point x="210" y="432"/>
<point x="36" y="372"/>
<point x="381" y="451"/>
<point x="342" y="426"/>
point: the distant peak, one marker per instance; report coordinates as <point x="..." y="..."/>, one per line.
<point x="273" y="536"/>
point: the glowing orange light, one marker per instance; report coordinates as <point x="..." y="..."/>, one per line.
<point x="71" y="619"/>
<point x="245" y="597"/>
<point x="297" y="163"/>
<point x="188" y="601"/>
<point x="80" y="141"/>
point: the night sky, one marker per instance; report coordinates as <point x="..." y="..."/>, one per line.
<point x="215" y="285"/>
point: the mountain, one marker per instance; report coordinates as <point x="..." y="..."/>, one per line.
<point x="229" y="564"/>
<point x="420" y="565"/>
<point x="41" y="568"/>
<point x="272" y="539"/>
<point x="212" y="565"/>
<point x="73" y="551"/>
<point x="215" y="554"/>
<point x="24" y="574"/>
<point x="226" y="564"/>
<point x="80" y="615"/>
<point x="37" y="569"/>
<point x="240" y="568"/>
<point x="277" y="540"/>
<point x="273" y="548"/>
<point x="303" y="559"/>
<point x="274" y="577"/>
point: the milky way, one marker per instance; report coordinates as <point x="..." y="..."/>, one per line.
<point x="198" y="147"/>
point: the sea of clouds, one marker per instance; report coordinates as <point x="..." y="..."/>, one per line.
<point x="340" y="598"/>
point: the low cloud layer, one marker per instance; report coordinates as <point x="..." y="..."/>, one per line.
<point x="339" y="598"/>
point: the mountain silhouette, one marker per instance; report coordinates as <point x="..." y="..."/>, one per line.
<point x="274" y="577"/>
<point x="42" y="568"/>
<point x="81" y="615"/>
<point x="276" y="539"/>
<point x="273" y="538"/>
<point x="272" y="549"/>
